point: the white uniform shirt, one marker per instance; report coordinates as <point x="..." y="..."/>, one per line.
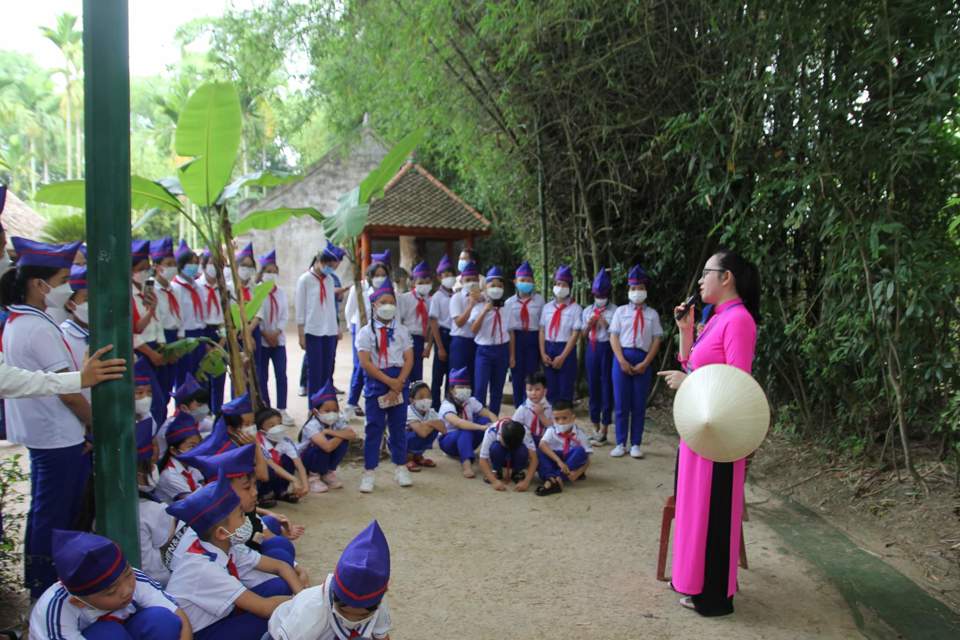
<point x="622" y="325"/>
<point x="285" y="447"/>
<point x="352" y="307"/>
<point x="318" y="318"/>
<point x="602" y="333"/>
<point x="526" y="416"/>
<point x="274" y="315"/>
<point x="492" y="435"/>
<point x="491" y="332"/>
<point x="78" y="338"/>
<point x="156" y="527"/>
<point x="471" y="408"/>
<point x="212" y="305"/>
<point x="202" y="584"/>
<point x="153" y="332"/>
<point x="368" y="339"/>
<point x="514" y="306"/>
<point x="309" y="616"/>
<point x="20" y="383"/>
<point x="168" y="315"/>
<point x="33" y="341"/>
<point x="570" y="321"/>
<point x="440" y="307"/>
<point x="313" y="427"/>
<point x="415" y="416"/>
<point x="555" y="442"/>
<point x="407" y="308"/>
<point x="173" y="481"/>
<point x="190" y="298"/>
<point x="55" y="617"/>
<point x="458" y="304"/>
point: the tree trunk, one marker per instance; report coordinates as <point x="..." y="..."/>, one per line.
<point x="68" y="130"/>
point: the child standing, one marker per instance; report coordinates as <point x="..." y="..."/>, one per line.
<point x="317" y="325"/>
<point x="423" y="427"/>
<point x="560" y="326"/>
<point x="535" y="413"/>
<point x="213" y="317"/>
<point x="440" y="328"/>
<point x="489" y="325"/>
<point x="168" y="306"/>
<point x="564" y="450"/>
<point x="192" y="320"/>
<point x="635" y="336"/>
<point x="523" y="313"/>
<point x="465" y="419"/>
<point x="415" y="315"/>
<point x="324" y="440"/>
<point x="273" y="315"/>
<point x="599" y="355"/>
<point x="462" y="347"/>
<point x="76" y="328"/>
<point x="385" y="349"/>
<point x="508" y="453"/>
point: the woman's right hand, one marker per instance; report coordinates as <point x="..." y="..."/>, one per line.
<point x="685" y="323"/>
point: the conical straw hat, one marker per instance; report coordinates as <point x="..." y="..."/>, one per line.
<point x="721" y="413"/>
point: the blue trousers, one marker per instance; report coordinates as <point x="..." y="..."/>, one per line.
<point x="277" y="547"/>
<point x="560" y="382"/>
<point x="151" y="623"/>
<point x="316" y="460"/>
<point x="215" y="385"/>
<point x="358" y="377"/>
<point x="599" y="361"/>
<point x="321" y="357"/>
<point x="417" y="445"/>
<point x="517" y="460"/>
<point x="392" y="420"/>
<point x="277" y="356"/>
<point x="275" y="484"/>
<point x="160" y="397"/>
<point x="630" y="398"/>
<point x="462" y="353"/>
<point x="490" y="370"/>
<point x="440" y="370"/>
<point x="461" y="443"/>
<point x="303" y="371"/>
<point x="416" y="373"/>
<point x="190" y="362"/>
<point x="575" y="458"/>
<point x="245" y="625"/>
<point x="527" y="359"/>
<point x="58" y="479"/>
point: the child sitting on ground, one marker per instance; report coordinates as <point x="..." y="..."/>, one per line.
<point x="465" y="418"/>
<point x="423" y="426"/>
<point x="288" y="477"/>
<point x="324" y="440"/>
<point x="99" y="596"/>
<point x="535" y="413"/>
<point x="508" y="453"/>
<point x="177" y="480"/>
<point x="350" y="603"/>
<point x="564" y="450"/>
<point x="156" y="525"/>
<point x="220" y="590"/>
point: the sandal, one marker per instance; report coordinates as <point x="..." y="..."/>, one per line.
<point x="413" y="465"/>
<point x="549" y="487"/>
<point x="266" y="502"/>
<point x="289" y="497"/>
<point x="518" y="476"/>
<point x="424" y="462"/>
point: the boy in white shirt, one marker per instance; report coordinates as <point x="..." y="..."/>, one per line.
<point x="536" y="413"/>
<point x="508" y="453"/>
<point x="564" y="451"/>
<point x="440" y="328"/>
<point x="414" y="308"/>
<point x="316" y="314"/>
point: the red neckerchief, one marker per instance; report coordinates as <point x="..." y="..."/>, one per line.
<point x="274" y="454"/>
<point x="497" y="324"/>
<point x="135" y="314"/>
<point x="212" y="298"/>
<point x="323" y="286"/>
<point x="383" y="357"/>
<point x="16" y="314"/>
<point x="554" y="328"/>
<point x="245" y="291"/>
<point x="194" y="297"/>
<point x="274" y="305"/>
<point x="422" y="312"/>
<point x="597" y="312"/>
<point x="637" y="318"/>
<point x="172" y="301"/>
<point x="568" y="437"/>
<point x="525" y="313"/>
<point x="535" y="424"/>
<point x="185" y="473"/>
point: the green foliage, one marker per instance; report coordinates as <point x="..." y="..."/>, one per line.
<point x="144" y="194"/>
<point x="273" y="218"/>
<point x="179" y="348"/>
<point x="213" y="364"/>
<point x="65" y="227"/>
<point x="252" y="306"/>
<point x="13" y="480"/>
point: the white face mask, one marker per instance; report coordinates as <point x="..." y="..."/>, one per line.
<point x="152" y="480"/>
<point x="82" y="311"/>
<point x="423" y="405"/>
<point x="462" y="393"/>
<point x="168" y="273"/>
<point x="494" y="293"/>
<point x="270" y="277"/>
<point x="242" y="533"/>
<point x="386" y="312"/>
<point x="329" y="417"/>
<point x="276" y="434"/>
<point x="470" y="286"/>
<point x="563" y="428"/>
<point x="142" y="405"/>
<point x="142" y="276"/>
<point x="600" y="302"/>
<point x="423" y="290"/>
<point x="57" y="296"/>
<point x="249" y="431"/>
<point x="448" y="282"/>
<point x="376" y="281"/>
<point x="561" y="292"/>
<point x="246" y="273"/>
<point x="637" y="296"/>
<point x="211" y="271"/>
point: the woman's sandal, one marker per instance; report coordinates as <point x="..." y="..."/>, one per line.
<point x="549" y="487"/>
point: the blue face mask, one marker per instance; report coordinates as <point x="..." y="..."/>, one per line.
<point x="462" y="264"/>
<point x="327" y="269"/>
<point x="190" y="270"/>
<point x="524" y="287"/>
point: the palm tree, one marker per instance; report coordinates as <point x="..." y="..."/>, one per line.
<point x="69" y="40"/>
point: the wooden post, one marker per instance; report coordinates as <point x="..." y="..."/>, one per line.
<point x="364" y="253"/>
<point x="408" y="252"/>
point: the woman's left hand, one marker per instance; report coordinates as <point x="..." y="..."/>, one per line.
<point x="673" y="378"/>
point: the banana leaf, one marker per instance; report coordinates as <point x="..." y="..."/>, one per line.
<point x="213" y="364"/>
<point x="253" y="305"/>
<point x="180" y="348"/>
<point x="144" y="194"/>
<point x="348" y="220"/>
<point x="372" y="186"/>
<point x="264" y="178"/>
<point x="273" y="218"/>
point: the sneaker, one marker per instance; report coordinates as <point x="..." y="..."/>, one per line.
<point x="402" y="474"/>
<point x="618" y="451"/>
<point x="635" y="452"/>
<point x="318" y="486"/>
<point x="599" y="440"/>
<point x="286" y="418"/>
<point x="367" y="480"/>
<point x="302" y="392"/>
<point x="349" y="412"/>
<point x="331" y="480"/>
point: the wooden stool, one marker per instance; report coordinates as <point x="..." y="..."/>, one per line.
<point x="666" y="523"/>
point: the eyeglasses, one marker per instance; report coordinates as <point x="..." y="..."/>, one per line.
<point x="704" y="273"/>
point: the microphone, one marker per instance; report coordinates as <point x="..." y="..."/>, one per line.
<point x="685" y="307"/>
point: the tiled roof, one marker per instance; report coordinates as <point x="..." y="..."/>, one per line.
<point x="20" y="220"/>
<point x="415" y="198"/>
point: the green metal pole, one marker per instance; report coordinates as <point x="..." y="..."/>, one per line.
<point x="107" y="128"/>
